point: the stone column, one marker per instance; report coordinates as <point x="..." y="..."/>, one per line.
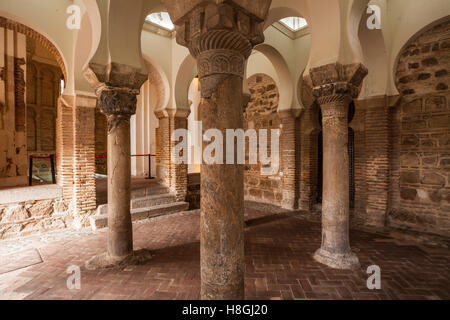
<point x="119" y="104"/>
<point x="221" y="37"/>
<point x="335" y="86"/>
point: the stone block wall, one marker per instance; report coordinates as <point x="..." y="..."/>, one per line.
<point x="25" y="218"/>
<point x="261" y="113"/>
<point x="420" y="181"/>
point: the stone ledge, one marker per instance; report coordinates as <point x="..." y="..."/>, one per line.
<point x="24" y="194"/>
<point x="100" y="221"/>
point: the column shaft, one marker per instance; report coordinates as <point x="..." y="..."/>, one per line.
<point x="222" y="202"/>
<point x="120" y="236"/>
<point x="335" y="251"/>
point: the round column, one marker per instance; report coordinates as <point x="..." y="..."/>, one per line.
<point x="335" y="250"/>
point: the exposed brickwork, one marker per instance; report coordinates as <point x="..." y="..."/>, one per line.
<point x="163" y="149"/>
<point x="101" y="142"/>
<point x="422" y="135"/>
<point x="310" y="129"/>
<point x="84" y="159"/>
<point x="65" y="145"/>
<point x="178" y="173"/>
<point x="288" y="156"/>
<point x="261" y="113"/>
<point x="173" y="176"/>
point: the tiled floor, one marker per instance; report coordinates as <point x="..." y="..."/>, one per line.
<point x="279" y="264"/>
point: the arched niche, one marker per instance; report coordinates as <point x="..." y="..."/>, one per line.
<point x="157" y="79"/>
<point x="186" y="72"/>
<point x="11" y="22"/>
<point x="375" y="57"/>
<point x="284" y="78"/>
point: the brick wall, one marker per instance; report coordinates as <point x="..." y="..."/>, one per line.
<point x="175" y="177"/>
<point x="309" y="135"/>
<point x="101" y="142"/>
<point x="420" y="181"/>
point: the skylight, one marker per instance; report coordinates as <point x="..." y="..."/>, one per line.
<point x="162" y="19"/>
<point x="294" y="23"/>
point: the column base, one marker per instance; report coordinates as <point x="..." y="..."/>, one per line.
<point x="347" y="261"/>
<point x="105" y="261"/>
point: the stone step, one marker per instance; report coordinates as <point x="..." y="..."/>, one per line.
<point x="145" y="202"/>
<point x="100" y="221"/>
<point x="148" y="191"/>
<point x="151" y="201"/>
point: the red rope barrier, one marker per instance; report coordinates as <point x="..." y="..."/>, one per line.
<point x="143" y="155"/>
<point x="105" y="156"/>
<point x="133" y="155"/>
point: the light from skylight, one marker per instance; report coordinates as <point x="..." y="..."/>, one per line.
<point x="294" y="23"/>
<point x="161" y="19"/>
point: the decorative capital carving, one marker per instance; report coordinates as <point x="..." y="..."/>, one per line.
<point x="118" y="104"/>
<point x="337" y="83"/>
<point x="114" y="75"/>
<point x="219" y="34"/>
<point x="242" y="19"/>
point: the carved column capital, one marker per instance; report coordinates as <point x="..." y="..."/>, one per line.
<point x="220" y="36"/>
<point x="336" y="83"/>
<point x="118" y="104"/>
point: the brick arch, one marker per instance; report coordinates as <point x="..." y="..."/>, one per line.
<point x="21" y="28"/>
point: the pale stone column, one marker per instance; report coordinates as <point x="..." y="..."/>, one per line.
<point x="119" y="104"/>
<point x="221" y="37"/>
<point x="335" y="86"/>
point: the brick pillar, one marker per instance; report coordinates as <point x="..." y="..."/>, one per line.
<point x="168" y="173"/>
<point x="178" y="172"/>
<point x="65" y="144"/>
<point x="163" y="148"/>
<point x="75" y="154"/>
<point x="288" y="159"/>
<point x="84" y="197"/>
